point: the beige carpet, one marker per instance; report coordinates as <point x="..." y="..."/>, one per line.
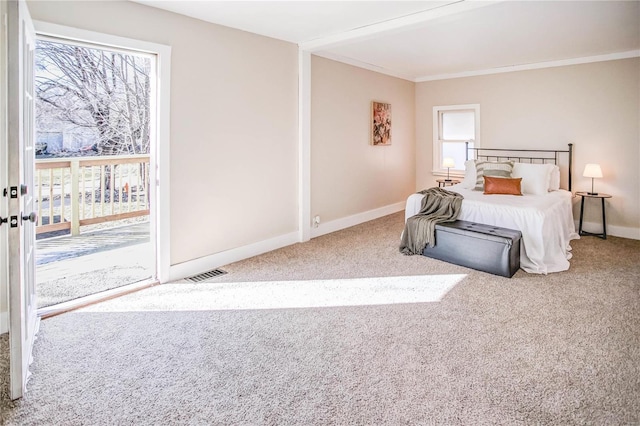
<point x="447" y="345"/>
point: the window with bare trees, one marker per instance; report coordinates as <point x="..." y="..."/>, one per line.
<point x="91" y="101"/>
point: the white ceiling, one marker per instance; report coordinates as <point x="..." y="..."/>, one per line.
<point x="425" y="40"/>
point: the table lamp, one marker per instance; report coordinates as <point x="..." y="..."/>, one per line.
<point x="592" y="171"/>
<point x="448" y="163"/>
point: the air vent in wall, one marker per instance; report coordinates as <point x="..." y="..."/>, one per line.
<point x="206" y="275"/>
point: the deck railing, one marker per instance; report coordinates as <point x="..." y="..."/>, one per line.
<point x="78" y="191"/>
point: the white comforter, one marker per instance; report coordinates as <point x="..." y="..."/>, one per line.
<point x="546" y="223"/>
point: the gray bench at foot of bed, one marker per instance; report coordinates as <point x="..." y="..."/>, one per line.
<point x="475" y="245"/>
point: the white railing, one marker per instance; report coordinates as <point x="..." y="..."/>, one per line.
<point x="78" y="191"/>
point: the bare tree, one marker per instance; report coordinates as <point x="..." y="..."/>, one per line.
<point x="95" y="88"/>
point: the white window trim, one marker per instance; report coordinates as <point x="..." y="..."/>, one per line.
<point x="437" y="169"/>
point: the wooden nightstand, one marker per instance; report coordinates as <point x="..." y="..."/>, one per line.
<point x="443" y="182"/>
<point x="602" y="196"/>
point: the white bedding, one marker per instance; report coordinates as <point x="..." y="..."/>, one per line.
<point x="546" y="223"/>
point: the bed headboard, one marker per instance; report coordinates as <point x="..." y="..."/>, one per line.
<point x="539" y="156"/>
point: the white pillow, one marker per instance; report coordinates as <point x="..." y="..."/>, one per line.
<point x="469" y="180"/>
<point x="554" y="184"/>
<point x="536" y="178"/>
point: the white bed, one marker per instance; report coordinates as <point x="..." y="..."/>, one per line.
<point x="543" y="214"/>
<point x="546" y="223"/>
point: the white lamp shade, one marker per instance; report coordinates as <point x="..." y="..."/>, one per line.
<point x="592" y="171"/>
<point x="448" y="163"/>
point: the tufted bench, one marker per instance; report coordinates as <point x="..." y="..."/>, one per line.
<point x="474" y="245"/>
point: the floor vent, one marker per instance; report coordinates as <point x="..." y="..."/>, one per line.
<point x="206" y="275"/>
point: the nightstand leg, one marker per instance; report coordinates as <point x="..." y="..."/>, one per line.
<point x="581" y="213"/>
<point x="604" y="223"/>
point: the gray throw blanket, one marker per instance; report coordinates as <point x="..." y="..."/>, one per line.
<point x="438" y="205"/>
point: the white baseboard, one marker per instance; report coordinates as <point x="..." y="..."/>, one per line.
<point x="614" y="231"/>
<point x="207" y="263"/>
<point x="4" y="322"/>
<point x="356" y="219"/>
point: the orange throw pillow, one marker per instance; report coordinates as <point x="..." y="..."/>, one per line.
<point x="498" y="185"/>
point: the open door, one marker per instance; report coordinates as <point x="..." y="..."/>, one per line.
<point x="23" y="321"/>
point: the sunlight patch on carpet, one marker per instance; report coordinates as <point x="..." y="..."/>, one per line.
<point x="285" y="294"/>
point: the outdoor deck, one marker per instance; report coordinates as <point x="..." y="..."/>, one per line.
<point x="69" y="267"/>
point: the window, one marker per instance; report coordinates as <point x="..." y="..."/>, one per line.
<point x="453" y="126"/>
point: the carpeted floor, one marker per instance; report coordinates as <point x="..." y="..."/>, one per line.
<point x="448" y="345"/>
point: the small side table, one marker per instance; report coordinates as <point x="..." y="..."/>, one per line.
<point x="443" y="182"/>
<point x="602" y="196"/>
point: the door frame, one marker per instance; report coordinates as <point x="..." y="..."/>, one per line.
<point x="160" y="128"/>
<point x="18" y="109"/>
<point x="4" y="166"/>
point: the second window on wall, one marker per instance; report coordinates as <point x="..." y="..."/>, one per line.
<point x="453" y="126"/>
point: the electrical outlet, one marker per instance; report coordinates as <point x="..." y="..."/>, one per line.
<point x="316" y="221"/>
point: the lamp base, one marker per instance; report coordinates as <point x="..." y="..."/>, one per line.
<point x="592" y="193"/>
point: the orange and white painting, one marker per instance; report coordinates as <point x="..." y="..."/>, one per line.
<point x="381" y="125"/>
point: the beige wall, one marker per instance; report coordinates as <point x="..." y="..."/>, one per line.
<point x="234" y="149"/>
<point x="349" y="175"/>
<point x="233" y="123"/>
<point x="596" y="106"/>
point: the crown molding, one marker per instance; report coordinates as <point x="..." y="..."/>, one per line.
<point x="514" y="68"/>
<point x="533" y="66"/>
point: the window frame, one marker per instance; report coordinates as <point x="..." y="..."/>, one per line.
<point x="438" y="170"/>
<point x="160" y="128"/>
